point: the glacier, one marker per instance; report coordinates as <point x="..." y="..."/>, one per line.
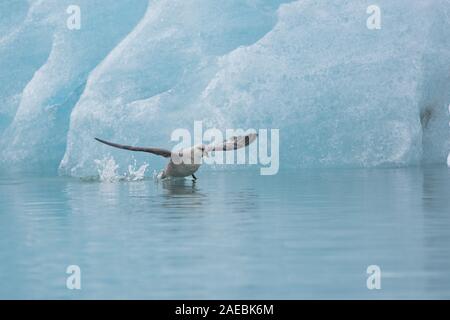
<point x="42" y="83"/>
<point x="342" y="95"/>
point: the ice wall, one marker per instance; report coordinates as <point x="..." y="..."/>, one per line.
<point x="152" y="82"/>
<point x="341" y="94"/>
<point x="25" y="43"/>
<point x="45" y="66"/>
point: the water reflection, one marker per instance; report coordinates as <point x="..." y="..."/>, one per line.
<point x="435" y="186"/>
<point x="176" y="187"/>
<point x="436" y="215"/>
<point x="182" y="193"/>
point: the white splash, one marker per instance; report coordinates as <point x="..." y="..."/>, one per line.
<point x="134" y="174"/>
<point x="157" y="175"/>
<point x="107" y="169"/>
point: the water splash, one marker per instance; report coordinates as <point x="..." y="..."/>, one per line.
<point x="158" y="175"/>
<point x="134" y="174"/>
<point x="108" y="170"/>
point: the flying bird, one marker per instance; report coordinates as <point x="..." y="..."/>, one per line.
<point x="185" y="162"/>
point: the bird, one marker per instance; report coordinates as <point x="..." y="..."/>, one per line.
<point x="185" y="162"/>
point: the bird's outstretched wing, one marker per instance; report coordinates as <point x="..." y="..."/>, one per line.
<point x="233" y="143"/>
<point x="160" y="152"/>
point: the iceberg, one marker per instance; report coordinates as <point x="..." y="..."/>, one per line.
<point x="50" y="72"/>
<point x="341" y="94"/>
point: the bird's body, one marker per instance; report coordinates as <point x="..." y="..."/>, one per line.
<point x="179" y="170"/>
<point x="185" y="162"/>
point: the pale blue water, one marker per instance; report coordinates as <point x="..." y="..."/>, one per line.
<point x="299" y="234"/>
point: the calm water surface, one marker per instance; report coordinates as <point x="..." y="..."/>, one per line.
<point x="299" y="234"/>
